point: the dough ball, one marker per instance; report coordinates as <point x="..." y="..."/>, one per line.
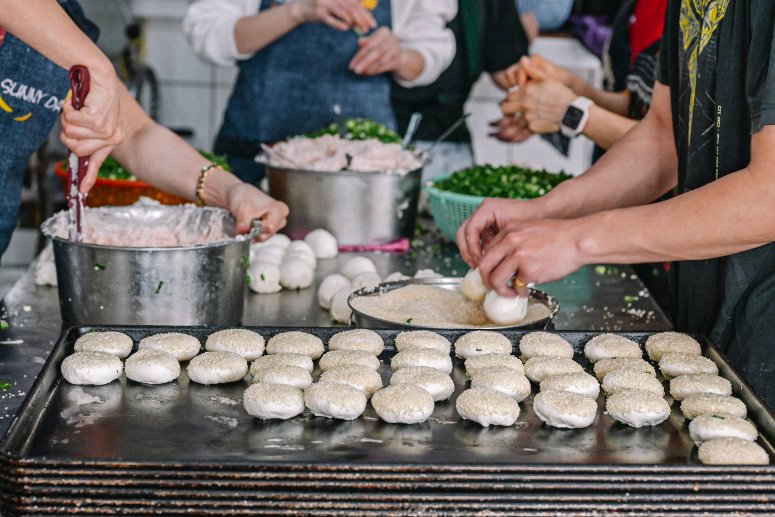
<point x="504" y="310"/>
<point x="323" y="243"/>
<point x="297" y="246"/>
<point x="536" y="344"/>
<point x="306" y="256"/>
<point x="604" y="366"/>
<point x="694" y="384"/>
<point x="581" y="383"/>
<point x="541" y="367"/>
<point x="607" y="346"/>
<point x="181" y="346"/>
<point x="485" y="407"/>
<point x="476" y="363"/>
<point x="359" y="377"/>
<point x="711" y="404"/>
<point x="367" y="280"/>
<point x="295" y="342"/>
<point x="659" y="344"/>
<point x="732" y="451"/>
<point x="565" y="409"/>
<point x="243" y="342"/>
<point x="637" y="408"/>
<point x="217" y="368"/>
<point x="264" y="277"/>
<point x="632" y="379"/>
<point x="291" y="375"/>
<point x="295" y="273"/>
<point x="152" y="367"/>
<point x="110" y="342"/>
<point x="93" y="368"/>
<point x="357" y="265"/>
<point x="710" y="427"/>
<point x="504" y="380"/>
<point x="422" y="339"/>
<point x="427" y="273"/>
<point x="269" y="255"/>
<point x="335" y="358"/>
<point x="674" y="364"/>
<point x="278" y="240"/>
<point x="396" y="276"/>
<point x="340" y="311"/>
<point x="334" y="400"/>
<point x="472" y="286"/>
<point x="482" y="342"/>
<point x="272" y="361"/>
<point x="357" y="339"/>
<point x="422" y="357"/>
<point x="273" y="401"/>
<point x="437" y="383"/>
<point x="328" y="288"/>
<point x="403" y="404"/>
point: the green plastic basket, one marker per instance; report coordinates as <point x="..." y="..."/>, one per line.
<point x="450" y="209"/>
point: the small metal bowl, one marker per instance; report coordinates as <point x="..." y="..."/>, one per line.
<point x="452" y="284"/>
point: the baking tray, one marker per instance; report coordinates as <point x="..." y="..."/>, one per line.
<point x="159" y="449"/>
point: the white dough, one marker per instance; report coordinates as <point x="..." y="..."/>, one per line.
<point x="732" y="451"/>
<point x="93" y="368"/>
<point x="427" y="273"/>
<point x="110" y="342"/>
<point x="271" y="361"/>
<point x="264" y="277"/>
<point x="472" y="286"/>
<point x="217" y="368"/>
<point x="605" y="366"/>
<point x="359" y="377"/>
<point x="505" y="310"/>
<point x="486" y="407"/>
<point x="580" y="383"/>
<point x="328" y="288"/>
<point x="422" y="339"/>
<point x="273" y="401"/>
<point x="403" y="404"/>
<point x="476" y="363"/>
<point x="637" y="408"/>
<point x="295" y="342"/>
<point x="278" y="240"/>
<point x="565" y="409"/>
<point x="323" y="243"/>
<point x="481" y="342"/>
<point x="504" y="380"/>
<point x="632" y="379"/>
<point x="357" y="265"/>
<point x="437" y="383"/>
<point x="271" y="255"/>
<point x="299" y="246"/>
<point x="711" y="404"/>
<point x="367" y="280"/>
<point x="606" y="346"/>
<point x="659" y="344"/>
<point x="422" y="357"/>
<point x="335" y="358"/>
<point x="709" y="427"/>
<point x="334" y="400"/>
<point x="541" y="367"/>
<point x="396" y="276"/>
<point x="540" y="343"/>
<point x="243" y="342"/>
<point x="687" y="385"/>
<point x="673" y="364"/>
<point x="291" y="375"/>
<point x="181" y="346"/>
<point x="151" y="367"/>
<point x="357" y="339"/>
<point x="340" y="311"/>
<point x="305" y="255"/>
<point x="295" y="273"/>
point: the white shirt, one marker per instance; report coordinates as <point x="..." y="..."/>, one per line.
<point x="420" y="25"/>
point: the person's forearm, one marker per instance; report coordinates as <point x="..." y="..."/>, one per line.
<point x="253" y="33"/>
<point x="410" y="65"/>
<point x="616" y="102"/>
<point x="605" y="128"/>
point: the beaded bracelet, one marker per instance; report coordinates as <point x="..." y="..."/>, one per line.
<point x="200" y="184"/>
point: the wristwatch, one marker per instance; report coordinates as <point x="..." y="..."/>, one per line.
<point x="575" y="117"/>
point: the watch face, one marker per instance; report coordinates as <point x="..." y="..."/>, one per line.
<point x="572" y="118"/>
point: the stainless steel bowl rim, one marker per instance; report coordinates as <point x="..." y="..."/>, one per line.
<point x="420" y="155"/>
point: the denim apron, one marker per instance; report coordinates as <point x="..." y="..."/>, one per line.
<point x="288" y="88"/>
<point x="32" y="90"/>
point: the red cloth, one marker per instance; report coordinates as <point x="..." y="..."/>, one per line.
<point x="647" y="25"/>
<point x="401" y="245"/>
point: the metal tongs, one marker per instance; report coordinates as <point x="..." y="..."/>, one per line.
<point x="79" y="83"/>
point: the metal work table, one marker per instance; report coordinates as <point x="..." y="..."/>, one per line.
<point x="594" y="298"/>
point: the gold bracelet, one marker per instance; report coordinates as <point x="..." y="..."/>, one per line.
<point x="200" y="184"/>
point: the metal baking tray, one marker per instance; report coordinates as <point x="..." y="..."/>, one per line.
<point x="159" y="450"/>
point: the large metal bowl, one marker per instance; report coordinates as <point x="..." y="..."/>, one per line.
<point x="187" y="285"/>
<point x="357" y="207"/>
<point x="453" y="284"/>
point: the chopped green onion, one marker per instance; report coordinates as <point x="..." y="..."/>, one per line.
<point x="159" y="286"/>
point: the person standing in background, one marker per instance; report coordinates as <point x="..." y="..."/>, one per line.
<point x="298" y="58"/>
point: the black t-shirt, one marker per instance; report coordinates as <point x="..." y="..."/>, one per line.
<point x="718" y="57"/>
<point x="497" y="42"/>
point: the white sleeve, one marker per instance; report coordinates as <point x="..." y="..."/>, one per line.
<point x="421" y="25"/>
<point x="209" y="28"/>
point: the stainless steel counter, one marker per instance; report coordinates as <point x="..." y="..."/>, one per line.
<point x="593" y="298"/>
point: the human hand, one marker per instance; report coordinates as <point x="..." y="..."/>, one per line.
<point x="536" y="68"/>
<point x="95" y="129"/>
<point x="379" y="52"/>
<point x="512" y="129"/>
<point x="540" y="103"/>
<point x="339" y="14"/>
<point x="246" y="202"/>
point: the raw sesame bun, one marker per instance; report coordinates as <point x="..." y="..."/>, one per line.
<point x="565" y="409"/>
<point x="694" y="384"/>
<point x="295" y="342"/>
<point x="607" y="346"/>
<point x="403" y="404"/>
<point x="336" y="358"/>
<point x="242" y="342"/>
<point x="732" y="451"/>
<point x="504" y="380"/>
<point x="91" y="368"/>
<point x="422" y="339"/>
<point x="632" y="379"/>
<point x="110" y="342"/>
<point x="637" y="408"/>
<point x="473" y="364"/>
<point x="271" y="361"/>
<point x="481" y="342"/>
<point x="437" y="383"/>
<point x="152" y="367"/>
<point x="541" y="367"/>
<point x="217" y="368"/>
<point x="710" y="427"/>
<point x="357" y="339"/>
<point x="181" y="346"/>
<point x="674" y="364"/>
<point x="273" y="401"/>
<point x="359" y="377"/>
<point x="659" y="344"/>
<point x="711" y="404"/>
<point x="334" y="400"/>
<point x="485" y="407"/>
<point x="605" y="366"/>
<point x="422" y="357"/>
<point x="294" y="376"/>
<point x="580" y="383"/>
<point x="536" y="344"/>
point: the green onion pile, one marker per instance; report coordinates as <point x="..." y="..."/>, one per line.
<point x="509" y="181"/>
<point x="360" y="129"/>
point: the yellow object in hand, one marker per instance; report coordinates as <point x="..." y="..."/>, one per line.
<point x="370" y="4"/>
